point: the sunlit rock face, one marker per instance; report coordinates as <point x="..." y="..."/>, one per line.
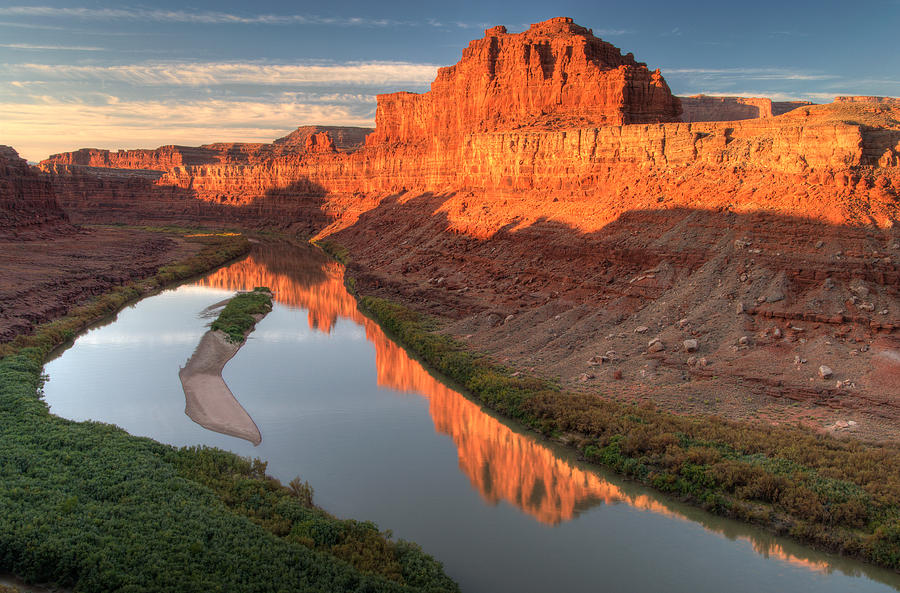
<point x="539" y="116"/>
<point x="555" y="74"/>
<point x="714" y="108"/>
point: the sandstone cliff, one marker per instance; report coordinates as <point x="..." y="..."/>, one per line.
<point x="302" y="140"/>
<point x="27" y="200"/>
<point x="554" y="74"/>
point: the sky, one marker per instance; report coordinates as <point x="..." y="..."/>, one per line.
<point x="115" y="74"/>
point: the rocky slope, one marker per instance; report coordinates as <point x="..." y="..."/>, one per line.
<point x="542" y="195"/>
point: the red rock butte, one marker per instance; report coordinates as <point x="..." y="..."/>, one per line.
<point x="554" y="74"/>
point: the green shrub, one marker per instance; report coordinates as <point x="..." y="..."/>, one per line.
<point x="239" y="315"/>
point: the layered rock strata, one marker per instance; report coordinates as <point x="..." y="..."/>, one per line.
<point x="299" y="142"/>
<point x="716" y="108"/>
<point x="554" y="74"/>
<point x="27" y="201"/>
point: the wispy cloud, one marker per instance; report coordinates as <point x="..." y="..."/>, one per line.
<point x="749" y="73"/>
<point x="184" y="16"/>
<point x="31" y="26"/>
<point x="768" y="94"/>
<point x="222" y="73"/>
<point x="29" y="46"/>
<point x="48" y="124"/>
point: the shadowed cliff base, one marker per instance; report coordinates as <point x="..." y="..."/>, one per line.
<point x="28" y="206"/>
<point x="124" y="196"/>
<point x="768" y="300"/>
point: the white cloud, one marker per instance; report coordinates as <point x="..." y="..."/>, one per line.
<point x="53" y="47"/>
<point x="773" y="95"/>
<point x="183" y="16"/>
<point x="747" y="73"/>
<point x="31" y="26"/>
<point x="48" y="125"/>
<point x="220" y="73"/>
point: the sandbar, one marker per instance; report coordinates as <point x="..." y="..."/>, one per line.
<point x="208" y="400"/>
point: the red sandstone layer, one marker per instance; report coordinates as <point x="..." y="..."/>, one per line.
<point x="305" y="139"/>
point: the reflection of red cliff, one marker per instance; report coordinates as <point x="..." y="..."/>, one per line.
<point x="501" y="464"/>
<point x="325" y="301"/>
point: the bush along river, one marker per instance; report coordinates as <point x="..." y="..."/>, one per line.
<point x="378" y="437"/>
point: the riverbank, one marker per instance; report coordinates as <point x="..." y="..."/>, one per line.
<point x="208" y="400"/>
<point x="839" y="495"/>
<point x="87" y="506"/>
<point x="43" y="276"/>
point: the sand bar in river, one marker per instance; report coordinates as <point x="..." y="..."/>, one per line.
<point x="208" y="400"/>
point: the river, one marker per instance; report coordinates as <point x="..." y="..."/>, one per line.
<point x="380" y="438"/>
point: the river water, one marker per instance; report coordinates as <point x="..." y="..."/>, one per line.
<point x="379" y="438"/>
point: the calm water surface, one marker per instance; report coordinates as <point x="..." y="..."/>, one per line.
<point x="380" y="438"/>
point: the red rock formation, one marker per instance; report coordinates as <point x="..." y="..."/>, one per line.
<point x="27" y="201"/>
<point x="343" y="139"/>
<point x="320" y="142"/>
<point x="893" y="101"/>
<point x="714" y="108"/>
<point x="554" y="74"/>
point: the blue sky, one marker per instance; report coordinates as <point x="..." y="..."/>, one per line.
<point x="119" y="75"/>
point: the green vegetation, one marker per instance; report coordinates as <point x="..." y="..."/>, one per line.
<point x="239" y="315"/>
<point x="836" y="494"/>
<point x="87" y="506"/>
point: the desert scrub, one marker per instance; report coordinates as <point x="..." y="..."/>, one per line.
<point x="837" y="494"/>
<point x="239" y="316"/>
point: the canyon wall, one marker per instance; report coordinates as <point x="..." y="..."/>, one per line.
<point x="305" y="139"/>
<point x="698" y="108"/>
<point x="829" y="169"/>
<point x="27" y="199"/>
<point x="552" y="111"/>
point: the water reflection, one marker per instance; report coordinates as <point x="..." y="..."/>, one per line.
<point x="501" y="464"/>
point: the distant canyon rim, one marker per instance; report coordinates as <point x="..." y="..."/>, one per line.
<point x="566" y="213"/>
